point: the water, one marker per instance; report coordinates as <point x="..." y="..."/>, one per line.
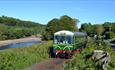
<point x="21" y="44"/>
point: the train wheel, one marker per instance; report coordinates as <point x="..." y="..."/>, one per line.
<point x="61" y="55"/>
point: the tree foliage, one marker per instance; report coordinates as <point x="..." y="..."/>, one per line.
<point x="64" y="23"/>
<point x="99" y="29"/>
<point x="12" y="28"/>
<point x="10" y="21"/>
<point x="88" y="28"/>
<point x="107" y="29"/>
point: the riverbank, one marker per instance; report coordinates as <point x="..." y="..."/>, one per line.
<point x="21" y="58"/>
<point x="27" y="39"/>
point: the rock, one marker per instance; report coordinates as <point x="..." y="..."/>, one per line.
<point x="103" y="57"/>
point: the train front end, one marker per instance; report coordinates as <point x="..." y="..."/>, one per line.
<point x="63" y="43"/>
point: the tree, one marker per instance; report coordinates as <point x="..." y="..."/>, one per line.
<point x="51" y="27"/>
<point x="99" y="29"/>
<point x="64" y="23"/>
<point x="11" y="28"/>
<point x="88" y="28"/>
<point x="109" y="26"/>
<point x="68" y="23"/>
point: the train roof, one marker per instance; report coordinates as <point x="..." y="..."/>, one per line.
<point x="80" y="34"/>
<point x="64" y="32"/>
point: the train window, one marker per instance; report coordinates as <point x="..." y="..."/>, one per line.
<point x="69" y="39"/>
<point x="59" y="39"/>
<point x="63" y="39"/>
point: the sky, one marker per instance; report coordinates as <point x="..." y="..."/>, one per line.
<point x="42" y="11"/>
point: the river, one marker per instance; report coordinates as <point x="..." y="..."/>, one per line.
<point x="20" y="44"/>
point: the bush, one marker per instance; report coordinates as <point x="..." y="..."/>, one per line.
<point x="112" y="35"/>
<point x="83" y="61"/>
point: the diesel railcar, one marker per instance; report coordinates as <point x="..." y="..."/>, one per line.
<point x="66" y="43"/>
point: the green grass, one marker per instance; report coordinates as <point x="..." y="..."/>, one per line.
<point x="20" y="58"/>
<point x="82" y="61"/>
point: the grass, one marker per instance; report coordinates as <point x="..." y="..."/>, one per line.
<point x="82" y="61"/>
<point x="19" y="58"/>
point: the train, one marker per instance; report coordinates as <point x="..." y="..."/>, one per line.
<point x="66" y="43"/>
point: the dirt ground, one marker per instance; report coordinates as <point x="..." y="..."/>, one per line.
<point x="51" y="64"/>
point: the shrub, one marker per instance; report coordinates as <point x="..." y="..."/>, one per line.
<point x="112" y="35"/>
<point x="83" y="61"/>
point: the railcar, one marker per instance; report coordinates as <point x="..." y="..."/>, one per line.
<point x="65" y="43"/>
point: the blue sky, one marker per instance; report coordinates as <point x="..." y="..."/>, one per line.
<point x="42" y="11"/>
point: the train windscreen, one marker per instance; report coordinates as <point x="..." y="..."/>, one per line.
<point x="63" y="39"/>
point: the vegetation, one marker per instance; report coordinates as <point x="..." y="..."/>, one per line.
<point x="19" y="58"/>
<point x="111" y="35"/>
<point x="64" y="23"/>
<point x="83" y="61"/>
<point x="17" y="22"/>
<point x="107" y="29"/>
<point x="11" y="28"/>
<point x="88" y="28"/>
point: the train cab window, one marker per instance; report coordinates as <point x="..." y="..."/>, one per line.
<point x="59" y="39"/>
<point x="69" y="39"/>
<point x="63" y="39"/>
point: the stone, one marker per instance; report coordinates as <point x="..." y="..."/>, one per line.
<point x="103" y="57"/>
